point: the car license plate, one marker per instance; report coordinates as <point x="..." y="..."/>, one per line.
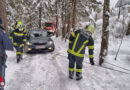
<point x="40" y="47"/>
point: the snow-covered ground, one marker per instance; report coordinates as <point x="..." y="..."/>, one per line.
<point x="49" y="71"/>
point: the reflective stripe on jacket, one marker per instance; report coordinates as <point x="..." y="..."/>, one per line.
<point x="25" y="32"/>
<point x="18" y="37"/>
<point x="78" y="42"/>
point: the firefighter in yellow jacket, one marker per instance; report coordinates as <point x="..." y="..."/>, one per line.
<point x="19" y="38"/>
<point x="77" y="43"/>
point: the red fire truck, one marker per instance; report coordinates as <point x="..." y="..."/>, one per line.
<point x="50" y="27"/>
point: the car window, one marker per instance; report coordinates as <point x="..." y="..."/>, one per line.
<point x="38" y="34"/>
<point x="48" y="24"/>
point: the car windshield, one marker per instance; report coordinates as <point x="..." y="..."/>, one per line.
<point x="48" y="24"/>
<point x="38" y="33"/>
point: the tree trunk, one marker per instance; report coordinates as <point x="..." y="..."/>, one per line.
<point x="64" y="19"/>
<point x="119" y="12"/>
<point x="105" y="33"/>
<point x="3" y="13"/>
<point x="70" y="20"/>
<point x="69" y="24"/>
<point x="40" y="16"/>
<point x="74" y="15"/>
<point x="57" y="19"/>
<point x="57" y="23"/>
<point x="128" y="30"/>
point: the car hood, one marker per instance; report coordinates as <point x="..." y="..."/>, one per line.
<point x="39" y="40"/>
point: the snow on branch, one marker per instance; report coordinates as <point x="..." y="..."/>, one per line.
<point x="108" y="13"/>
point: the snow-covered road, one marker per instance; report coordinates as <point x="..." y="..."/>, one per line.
<point x="49" y="71"/>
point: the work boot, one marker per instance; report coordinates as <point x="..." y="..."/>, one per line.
<point x="71" y="74"/>
<point x="78" y="76"/>
<point x="18" y="58"/>
<point x="21" y="57"/>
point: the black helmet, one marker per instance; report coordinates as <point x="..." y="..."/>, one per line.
<point x="0" y="20"/>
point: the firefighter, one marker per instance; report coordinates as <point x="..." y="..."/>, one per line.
<point x="19" y="38"/>
<point x="77" y="43"/>
<point x="5" y="44"/>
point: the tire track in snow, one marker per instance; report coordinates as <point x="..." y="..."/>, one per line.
<point x="22" y="77"/>
<point x="64" y="81"/>
<point x="61" y="75"/>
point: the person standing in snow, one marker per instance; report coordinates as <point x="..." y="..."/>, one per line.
<point x="19" y="38"/>
<point x="5" y="44"/>
<point x="77" y="43"/>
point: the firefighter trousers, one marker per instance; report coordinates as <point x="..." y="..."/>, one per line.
<point x="19" y="53"/>
<point x="19" y="50"/>
<point x="74" y="60"/>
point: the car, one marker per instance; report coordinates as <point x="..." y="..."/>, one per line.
<point x="39" y="41"/>
<point x="50" y="27"/>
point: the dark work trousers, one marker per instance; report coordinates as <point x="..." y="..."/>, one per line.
<point x="19" y="53"/>
<point x="75" y="60"/>
<point x="19" y="50"/>
<point x="2" y="68"/>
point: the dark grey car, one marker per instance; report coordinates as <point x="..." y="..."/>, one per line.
<point x="39" y="41"/>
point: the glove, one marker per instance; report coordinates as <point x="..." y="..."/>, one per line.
<point x="91" y="61"/>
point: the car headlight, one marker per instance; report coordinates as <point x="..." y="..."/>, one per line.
<point x="50" y="42"/>
<point x="28" y="43"/>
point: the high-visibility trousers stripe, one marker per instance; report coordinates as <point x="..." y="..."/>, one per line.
<point x="71" y="69"/>
<point x="78" y="70"/>
<point x="91" y="56"/>
<point x="90" y="47"/>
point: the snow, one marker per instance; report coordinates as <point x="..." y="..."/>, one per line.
<point x="122" y="3"/>
<point x="108" y="13"/>
<point x="112" y="2"/>
<point x="49" y="71"/>
<point x="123" y="59"/>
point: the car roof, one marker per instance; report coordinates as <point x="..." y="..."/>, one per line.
<point x="49" y="22"/>
<point x="37" y="30"/>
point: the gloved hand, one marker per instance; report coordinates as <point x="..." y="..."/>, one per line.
<point x="91" y="61"/>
